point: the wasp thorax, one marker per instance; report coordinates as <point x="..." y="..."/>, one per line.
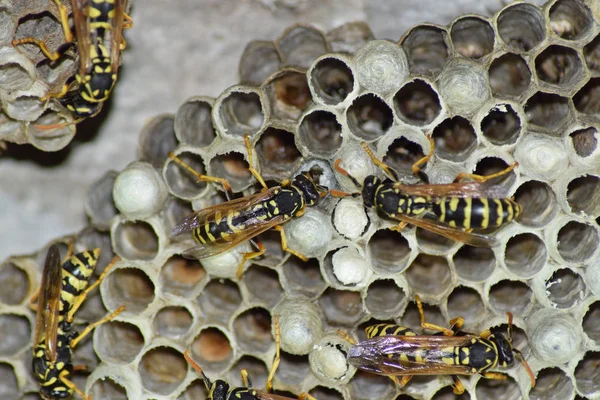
<point x="506" y="357"/>
<point x="310" y="190"/>
<point x="368" y="190"/>
<point x="219" y="390"/>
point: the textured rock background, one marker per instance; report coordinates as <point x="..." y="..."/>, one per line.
<point x="177" y="49"/>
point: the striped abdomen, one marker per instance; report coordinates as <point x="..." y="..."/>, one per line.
<point x="388" y="330"/>
<point x="76" y="274"/>
<point x="475" y="213"/>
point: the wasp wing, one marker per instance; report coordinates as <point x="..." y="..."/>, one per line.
<point x="262" y="395"/>
<point x="115" y="34"/>
<point x="458" y="189"/>
<point x="83" y="35"/>
<point x="48" y="306"/>
<point x="201" y="217"/>
<point x="398" y="355"/>
<point x="470" y="238"/>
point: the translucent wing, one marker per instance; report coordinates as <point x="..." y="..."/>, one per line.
<point x="470" y="238"/>
<point x="382" y="355"/>
<point x="46" y="325"/>
<point x="459" y="189"/>
<point x="116" y="34"/>
<point x="82" y="34"/>
<point x="199" y="218"/>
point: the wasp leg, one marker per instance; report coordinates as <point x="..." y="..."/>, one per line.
<point x="73" y="387"/>
<point x="249" y="256"/>
<point x="127" y="24"/>
<point x="427" y="325"/>
<point x="80" y="368"/>
<point x="399" y="227"/>
<point x="483" y="178"/>
<point x="386" y="168"/>
<point x="269" y="384"/>
<point x="305" y="396"/>
<point x="284" y="245"/>
<point x="90" y="327"/>
<point x="456" y="324"/>
<point x="245" y="378"/>
<point x="80" y="299"/>
<point x="494" y="375"/>
<point x="458" y="388"/>
<point x="416" y="167"/>
<point x="252" y="170"/>
<point x="485" y="334"/>
<point x="203" y="178"/>
<point x="346" y="336"/>
<point x="402" y="382"/>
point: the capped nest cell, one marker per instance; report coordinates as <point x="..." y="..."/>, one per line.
<point x="521" y="86"/>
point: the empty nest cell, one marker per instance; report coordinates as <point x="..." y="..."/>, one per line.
<point x="455" y="139"/>
<point x="509" y="75"/>
<point x="277" y="153"/>
<point x="590" y="322"/>
<point x="426" y="48"/>
<point x="193" y="123"/>
<point x="240" y="111"/>
<point x="212" y="349"/>
<point x="402" y="154"/>
<point x="570" y="20"/>
<point x="495" y="389"/>
<point x="181" y="277"/>
<point x="587" y="374"/>
<point x="14" y="284"/>
<point x="16" y="331"/>
<point x="219" y="299"/>
<point x="541" y="203"/>
<point x="162" y="370"/>
<point x="467" y="303"/>
<point x="288" y="94"/>
<point x="551" y="383"/>
<point x="417" y="103"/>
<point x="474" y="264"/>
<point x="429" y="275"/>
<point x="591" y="53"/>
<point x="384" y="298"/>
<point x="577" y="242"/>
<point x="303" y="278"/>
<point x="157" y="139"/>
<point x="263" y="285"/>
<point x="472" y="37"/>
<point x="509" y="295"/>
<point x="365" y="386"/>
<point x="389" y="251"/>
<point x="118" y="342"/>
<point x="525" y="254"/>
<point x="332" y="80"/>
<point x="369" y="117"/>
<point x="559" y="66"/>
<point x="342" y="307"/>
<point x="587" y="99"/>
<point x="583" y="195"/>
<point x="320" y="132"/>
<point x="292" y="369"/>
<point x="549" y="112"/>
<point x="257" y="371"/>
<point x="259" y="61"/>
<point x="130" y="287"/>
<point x="135" y="240"/>
<point x="565" y="288"/>
<point x="233" y="167"/>
<point x="8" y="381"/>
<point x="300" y="45"/>
<point x="172" y="321"/>
<point x="107" y="388"/>
<point x="521" y="26"/>
<point x="502" y="125"/>
<point x="585" y="141"/>
<point x="252" y="330"/>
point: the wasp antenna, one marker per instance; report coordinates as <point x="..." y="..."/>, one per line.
<point x="188" y="357"/>
<point x="510" y="320"/>
<point x="526" y="365"/>
<point x="57" y="126"/>
<point x="342" y="171"/>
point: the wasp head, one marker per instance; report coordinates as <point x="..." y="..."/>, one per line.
<point x="368" y="190"/>
<point x="312" y="192"/>
<point x="218" y="390"/>
<point x="506" y="357"/>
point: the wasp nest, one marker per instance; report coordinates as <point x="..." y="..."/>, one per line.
<point x="521" y="86"/>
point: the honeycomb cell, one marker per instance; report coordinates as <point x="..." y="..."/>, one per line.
<point x="426" y="48"/>
<point x="521" y="27"/>
<point x="59" y="138"/>
<point x="464" y="86"/>
<point x="369" y="117"/>
<point x="541" y="203"/>
<point x="288" y="94"/>
<point x="341" y="307"/>
<point x="332" y="80"/>
<point x="300" y="45"/>
<point x="577" y="242"/>
<point x="587" y="99"/>
<point x="347" y="267"/>
<point x="259" y="61"/>
<point x="219" y="299"/>
<point x="8" y="381"/>
<point x="583" y="195"/>
<point x="350" y="218"/>
<point x="293" y="369"/>
<point x="320" y="132"/>
<point x="212" y="349"/>
<point x="587" y="374"/>
<point x="193" y="123"/>
<point x="182" y="183"/>
<point x="349" y="37"/>
<point x="381" y="67"/>
<point x="172" y="321"/>
<point x="590" y="322"/>
<point x="417" y="103"/>
<point x="301" y="323"/>
<point x="99" y="204"/>
<point x="591" y="53"/>
<point x="157" y="139"/>
<point x="16" y="333"/>
<point x="548" y="111"/>
<point x="162" y="370"/>
<point x="429" y="275"/>
<point x="585" y="141"/>
<point x="502" y="125"/>
<point x="366" y="386"/>
<point x="325" y="393"/>
<point x="509" y="295"/>
<point x="256" y="369"/>
<point x="474" y="264"/>
<point x="277" y="153"/>
<point x="553" y="337"/>
<point x="181" y="277"/>
<point x="551" y="383"/>
<point x="252" y="330"/>
<point x="509" y="76"/>
<point x="565" y="288"/>
<point x="118" y="342"/>
<point x="385" y="298"/>
<point x="455" y="139"/>
<point x="17" y="71"/>
<point x="135" y="240"/>
<point x="328" y="360"/>
<point x="389" y="251"/>
<point x="303" y="278"/>
<point x="130" y="287"/>
<point x="496" y="389"/>
<point x="14" y="284"/>
<point x="525" y="255"/>
<point x="570" y="20"/>
<point x="233" y="167"/>
<point x="491" y="165"/>
<point x="472" y="37"/>
<point x="107" y="388"/>
<point x="239" y="111"/>
<point x="263" y="285"/>
<point x="401" y="154"/>
<point x="559" y="66"/>
<point x="467" y="303"/>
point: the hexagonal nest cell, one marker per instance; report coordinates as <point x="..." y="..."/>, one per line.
<point x="305" y="101"/>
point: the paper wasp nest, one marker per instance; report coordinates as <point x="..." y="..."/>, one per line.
<point x="523" y="85"/>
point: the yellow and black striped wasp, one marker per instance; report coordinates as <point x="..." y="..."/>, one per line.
<point x="221" y="390"/>
<point x="393" y="351"/>
<point x="459" y="207"/>
<point x="223" y="226"/>
<point x="62" y="291"/>
<point x="98" y="29"/>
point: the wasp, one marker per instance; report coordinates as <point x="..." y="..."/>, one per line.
<point x="62" y="291"/>
<point x="459" y="207"/>
<point x="223" y="226"/>
<point x="221" y="390"/>
<point x="98" y="29"/>
<point x="394" y="351"/>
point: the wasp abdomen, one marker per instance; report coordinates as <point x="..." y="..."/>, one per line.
<point x="475" y="213"/>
